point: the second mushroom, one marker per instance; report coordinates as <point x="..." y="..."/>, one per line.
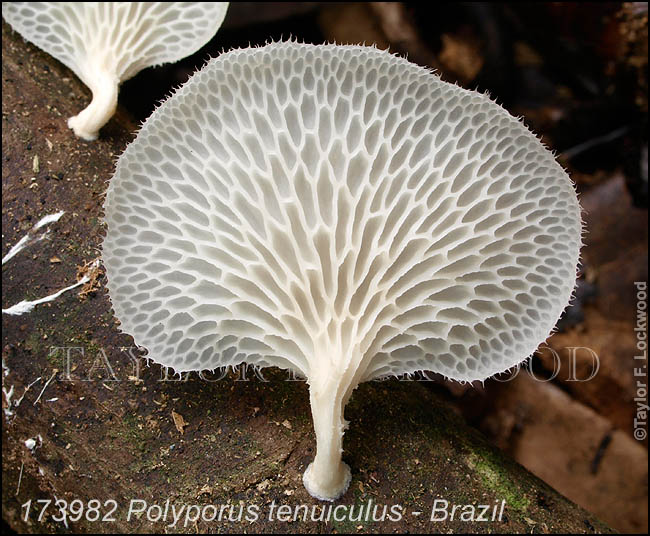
<point x="106" y="43"/>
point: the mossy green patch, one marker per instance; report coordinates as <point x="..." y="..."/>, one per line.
<point x="131" y="431"/>
<point x="356" y="515"/>
<point x="497" y="481"/>
<point x="34" y="342"/>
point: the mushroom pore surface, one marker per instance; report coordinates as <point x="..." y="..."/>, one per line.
<point x="341" y="212"/>
<point x="106" y="43"/>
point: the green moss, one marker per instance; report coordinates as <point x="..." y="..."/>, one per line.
<point x="497" y="481"/>
<point x="34" y="342"/>
<point x="349" y="526"/>
<point x="138" y="439"/>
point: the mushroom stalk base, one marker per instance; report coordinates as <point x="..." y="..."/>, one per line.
<point x="87" y="123"/>
<point x="327" y="478"/>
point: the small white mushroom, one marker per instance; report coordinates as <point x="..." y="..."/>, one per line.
<point x="106" y="43"/>
<point x="341" y="212"/>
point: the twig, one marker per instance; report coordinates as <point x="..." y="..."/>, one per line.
<point x="28" y="239"/>
<point x="20" y="477"/>
<point x="45" y="386"/>
<point x="26" y="306"/>
<point x="17" y="402"/>
<point x="594" y="142"/>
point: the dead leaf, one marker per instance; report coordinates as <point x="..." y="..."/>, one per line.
<point x="55" y="260"/>
<point x="462" y="54"/>
<point x="151" y="421"/>
<point x="93" y="271"/>
<point x="263" y="485"/>
<point x="286" y="424"/>
<point x="205" y="489"/>
<point x="179" y="422"/>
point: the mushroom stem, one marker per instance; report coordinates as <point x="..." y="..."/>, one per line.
<point x="327" y="478"/>
<point x="87" y="123"/>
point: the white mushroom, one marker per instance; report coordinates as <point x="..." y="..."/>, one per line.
<point x="106" y="43"/>
<point x="341" y="212"/>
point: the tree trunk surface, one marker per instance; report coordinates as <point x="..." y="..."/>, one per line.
<point x="85" y="419"/>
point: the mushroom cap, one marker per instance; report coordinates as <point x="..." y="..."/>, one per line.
<point x="121" y="37"/>
<point x="334" y="206"/>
